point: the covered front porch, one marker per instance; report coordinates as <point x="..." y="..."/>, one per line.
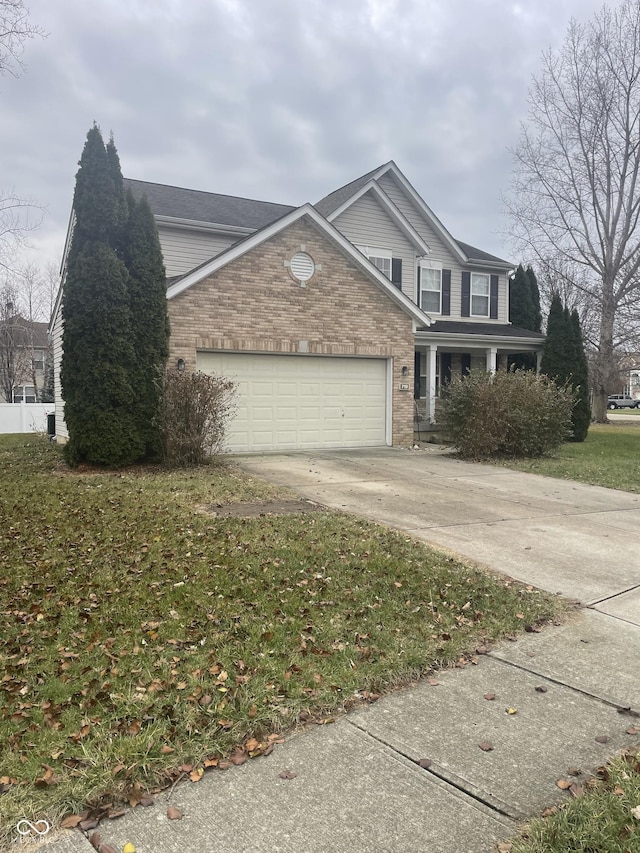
<point x="446" y="350"/>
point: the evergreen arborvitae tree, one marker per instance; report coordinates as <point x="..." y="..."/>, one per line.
<point x="565" y="362"/>
<point x="534" y="296"/>
<point x="149" y="319"/>
<point x="522" y="315"/>
<point x="556" y="355"/>
<point x="520" y="305"/>
<point x="97" y="351"/>
<point x="581" y="417"/>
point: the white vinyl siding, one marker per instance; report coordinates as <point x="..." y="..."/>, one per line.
<point x="295" y="402"/>
<point x="61" y="427"/>
<point x="366" y="223"/>
<point x="440" y="251"/>
<point x="184" y="249"/>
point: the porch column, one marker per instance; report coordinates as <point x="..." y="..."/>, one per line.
<point x="431" y="382"/>
<point x="538" y="362"/>
<point x="491" y="354"/>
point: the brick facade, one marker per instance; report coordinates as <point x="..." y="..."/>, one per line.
<point x="254" y="304"/>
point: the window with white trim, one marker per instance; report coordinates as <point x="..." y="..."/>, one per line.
<point x="431" y="290"/>
<point x="480" y="290"/>
<point x="24" y="394"/>
<point x="380" y="258"/>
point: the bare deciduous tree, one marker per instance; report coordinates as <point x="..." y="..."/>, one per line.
<point x="575" y="192"/>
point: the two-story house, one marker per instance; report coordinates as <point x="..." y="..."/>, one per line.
<point x="337" y="321"/>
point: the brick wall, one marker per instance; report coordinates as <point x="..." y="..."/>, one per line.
<point x="254" y="304"/>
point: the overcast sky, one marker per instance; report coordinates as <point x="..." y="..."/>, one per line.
<point x="280" y="100"/>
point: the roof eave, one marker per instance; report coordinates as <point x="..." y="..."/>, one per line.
<point x="203" y="225"/>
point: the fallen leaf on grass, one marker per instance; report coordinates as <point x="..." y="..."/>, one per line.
<point x="576" y="790"/>
<point x="287" y="774"/>
<point x="72" y="820"/>
<point x="174" y="814"/>
<point x="166" y="750"/>
<point x="238" y="758"/>
<point x="636" y="812"/>
<point x="563" y="784"/>
<point x="196" y="775"/>
<point x="619" y="792"/>
<point x="504" y="847"/>
<point x="486" y="746"/>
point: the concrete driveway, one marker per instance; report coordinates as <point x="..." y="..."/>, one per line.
<point x="581" y="541"/>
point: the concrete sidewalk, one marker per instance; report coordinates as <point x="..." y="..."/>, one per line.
<point x="408" y="773"/>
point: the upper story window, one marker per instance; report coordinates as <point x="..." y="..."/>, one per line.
<point x="431" y="290"/>
<point x="38" y="360"/>
<point x="380" y="258"/>
<point x="480" y="291"/>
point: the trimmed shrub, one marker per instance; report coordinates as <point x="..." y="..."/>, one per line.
<point x="195" y="409"/>
<point x="509" y="413"/>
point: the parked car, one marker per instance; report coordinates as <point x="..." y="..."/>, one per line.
<point x="621" y="401"/>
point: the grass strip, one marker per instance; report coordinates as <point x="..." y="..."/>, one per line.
<point x="609" y="457"/>
<point x="605" y="819"/>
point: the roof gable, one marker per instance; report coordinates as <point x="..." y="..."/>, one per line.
<point x="252" y="241"/>
<point x="396" y="216"/>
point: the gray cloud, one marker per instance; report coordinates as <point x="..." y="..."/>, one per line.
<point x="280" y="99"/>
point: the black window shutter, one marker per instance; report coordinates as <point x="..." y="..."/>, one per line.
<point x="466" y="294"/>
<point x="418" y="291"/>
<point x="445" y="368"/>
<point x="493" y="299"/>
<point x="465" y="361"/>
<point x="446" y="292"/>
<point x="416" y="376"/>
<point x="396" y="272"/>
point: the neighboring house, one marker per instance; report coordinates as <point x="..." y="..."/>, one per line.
<point x="23" y="351"/>
<point x="338" y="321"/>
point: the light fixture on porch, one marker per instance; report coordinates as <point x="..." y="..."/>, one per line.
<point x="405" y="370"/>
<point x="180" y="365"/>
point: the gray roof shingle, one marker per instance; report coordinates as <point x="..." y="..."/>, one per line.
<point x="200" y="206"/>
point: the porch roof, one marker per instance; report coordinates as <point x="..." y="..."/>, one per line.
<point x="498" y="330"/>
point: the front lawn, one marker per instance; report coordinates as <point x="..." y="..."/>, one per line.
<point x="609" y="457"/>
<point x="144" y="637"/>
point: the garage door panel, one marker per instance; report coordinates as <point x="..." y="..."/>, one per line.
<point x="302" y="402"/>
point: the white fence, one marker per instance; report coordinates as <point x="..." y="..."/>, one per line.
<point x="24" y="417"/>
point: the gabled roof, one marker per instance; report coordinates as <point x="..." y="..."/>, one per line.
<point x="391" y="210"/>
<point x="336" y="199"/>
<point x="240" y="248"/>
<point x="340" y="199"/>
<point x="198" y="206"/>
<point x="26" y="333"/>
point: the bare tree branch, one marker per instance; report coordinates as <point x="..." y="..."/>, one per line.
<point x="15" y="30"/>
<point x="575" y="192"/>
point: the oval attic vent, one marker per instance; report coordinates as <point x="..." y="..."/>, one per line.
<point x="302" y="266"/>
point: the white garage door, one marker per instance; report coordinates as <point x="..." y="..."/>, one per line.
<point x="289" y="402"/>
